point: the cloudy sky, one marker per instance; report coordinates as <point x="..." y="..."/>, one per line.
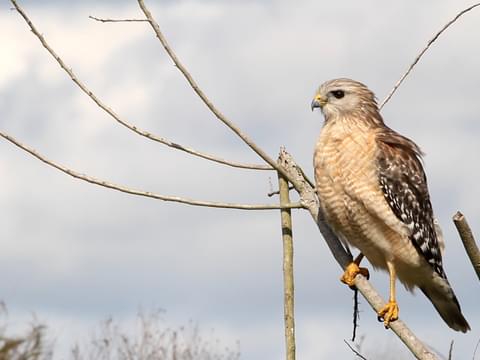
<point x="74" y="253"/>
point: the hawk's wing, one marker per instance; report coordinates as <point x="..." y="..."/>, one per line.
<point x="404" y="186"/>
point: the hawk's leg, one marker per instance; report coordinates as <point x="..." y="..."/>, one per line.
<point x="389" y="312"/>
<point x="353" y="270"/>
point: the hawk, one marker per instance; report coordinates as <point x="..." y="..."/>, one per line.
<point x="373" y="192"/>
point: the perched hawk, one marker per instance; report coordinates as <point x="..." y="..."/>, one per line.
<point x="373" y="192"/>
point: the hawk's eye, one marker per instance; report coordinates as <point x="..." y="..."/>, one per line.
<point x="338" y="93"/>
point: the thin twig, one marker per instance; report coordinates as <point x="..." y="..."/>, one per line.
<point x="430" y="42"/>
<point x="277" y="192"/>
<point x="116" y="20"/>
<point x="468" y="241"/>
<point x="450" y="351"/>
<point x="288" y="287"/>
<point x="475" y="351"/>
<point x="310" y="201"/>
<point x="355" y="351"/>
<point x="219" y="115"/>
<point x="355" y="314"/>
<point x="110" y="185"/>
<point x="117" y="118"/>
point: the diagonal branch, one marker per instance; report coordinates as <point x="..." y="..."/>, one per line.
<point x="219" y="115"/>
<point x="310" y="201"/>
<point x="430" y="42"/>
<point x="148" y="194"/>
<point x="116" y="117"/>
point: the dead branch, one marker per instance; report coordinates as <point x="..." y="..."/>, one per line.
<point x="450" y="350"/>
<point x="356" y="315"/>
<point x="288" y="281"/>
<point x="310" y="201"/>
<point x="430" y="42"/>
<point x="116" y="117"/>
<point x="148" y="194"/>
<point x="219" y="115"/>
<point x="468" y="241"/>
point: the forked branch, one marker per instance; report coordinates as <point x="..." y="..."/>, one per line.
<point x="218" y="114"/>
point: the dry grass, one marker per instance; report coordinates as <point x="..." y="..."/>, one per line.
<point x="152" y="340"/>
<point x="30" y="346"/>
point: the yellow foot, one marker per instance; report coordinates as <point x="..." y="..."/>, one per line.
<point x="388" y="313"/>
<point x="351" y="271"/>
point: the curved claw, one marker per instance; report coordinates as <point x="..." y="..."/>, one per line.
<point x="388" y="313"/>
<point x="351" y="272"/>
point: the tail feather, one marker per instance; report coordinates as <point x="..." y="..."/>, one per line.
<point x="445" y="302"/>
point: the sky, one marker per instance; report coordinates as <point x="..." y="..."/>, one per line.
<point x="74" y="254"/>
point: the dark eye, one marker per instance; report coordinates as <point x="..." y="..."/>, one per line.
<point x="338" y="93"/>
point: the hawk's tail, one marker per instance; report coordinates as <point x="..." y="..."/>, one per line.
<point x="443" y="298"/>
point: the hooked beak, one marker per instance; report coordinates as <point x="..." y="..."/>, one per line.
<point x="318" y="102"/>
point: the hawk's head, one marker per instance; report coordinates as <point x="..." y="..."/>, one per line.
<point x="343" y="97"/>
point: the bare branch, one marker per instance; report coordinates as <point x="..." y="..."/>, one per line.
<point x="450" y="351"/>
<point x="277" y="192"/>
<point x="430" y="42"/>
<point x="355" y="314"/>
<point x="413" y="343"/>
<point x="113" y="186"/>
<point x="310" y="201"/>
<point x="287" y="236"/>
<point x="468" y="240"/>
<point x="117" y="118"/>
<point x="116" y="20"/>
<point x="220" y="116"/>
<point x="475" y="351"/>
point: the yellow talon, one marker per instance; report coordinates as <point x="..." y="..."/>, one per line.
<point x="351" y="272"/>
<point x="388" y="313"/>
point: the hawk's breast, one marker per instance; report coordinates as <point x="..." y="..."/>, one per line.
<point x="347" y="185"/>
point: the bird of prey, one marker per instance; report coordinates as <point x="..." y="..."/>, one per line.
<point x="373" y="193"/>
